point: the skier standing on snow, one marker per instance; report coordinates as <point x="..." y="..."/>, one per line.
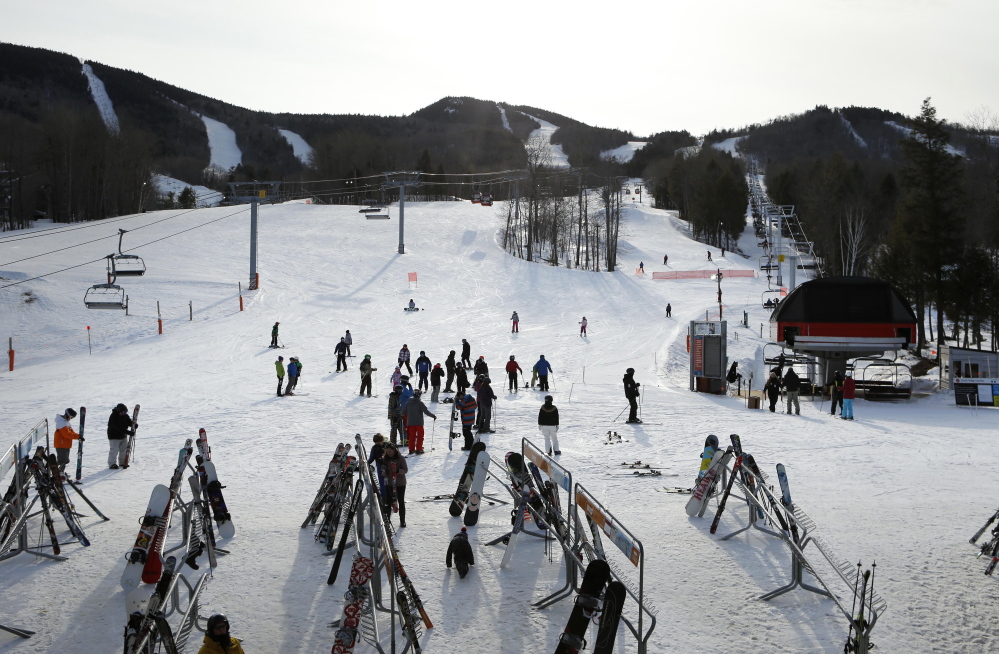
<point x="415" y="410"/>
<point x="466" y="354"/>
<point x="279" y="364"/>
<point x="466" y="406"/>
<point x="485" y="397"/>
<point x="391" y="456"/>
<point x="772" y="390"/>
<point x="395" y="414"/>
<point x="709" y="255"/>
<point x="641" y="266"/>
<point x="849" y="389"/>
<point x="423" y="370"/>
<point x="461" y="380"/>
<point x="631" y="392"/>
<point x="461" y="552"/>
<point x="341" y="355"/>
<point x="665" y="259"/>
<point x="349" y="340"/>
<point x="118" y="424"/>
<point x="274" y="334"/>
<point x="543" y="368"/>
<point x="366" y="371"/>
<point x="480" y="367"/>
<point x="217" y="638"/>
<point x="404" y="358"/>
<point x="793" y="385"/>
<point x="836" y="391"/>
<point x="294" y="370"/>
<point x="436" y="375"/>
<point x="450" y="364"/>
<point x="396" y="378"/>
<point x="512" y="368"/>
<point x="669" y="310"/>
<point x="516" y="323"/>
<point x="64" y="437"/>
<point x="582" y="326"/>
<point x="404" y="397"/>
<point x="548" y="424"/>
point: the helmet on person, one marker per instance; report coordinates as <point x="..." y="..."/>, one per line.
<point x="368" y="356"/>
<point x="486" y="380"/>
<point x="630" y="371"/>
<point x="398" y="388"/>
<point x="549" y="399"/>
<point x="452" y="351"/>
<point x="418" y="392"/>
<point x="216" y="620"/>
<point x="404" y="345"/>
<point x="71" y="412"/>
<point x="542" y="356"/>
<point x="481" y="357"/>
<point x="511" y="357"/>
<point x="423" y="351"/>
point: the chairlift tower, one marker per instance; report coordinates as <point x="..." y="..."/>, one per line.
<point x="401" y="180"/>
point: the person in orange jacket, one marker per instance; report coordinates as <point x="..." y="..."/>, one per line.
<point x="64" y="437"/>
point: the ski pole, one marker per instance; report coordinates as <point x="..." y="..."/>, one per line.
<point x="552" y="375"/>
<point x="622" y="411"/>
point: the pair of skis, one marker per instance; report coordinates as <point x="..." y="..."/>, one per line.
<point x="593" y="599"/>
<point x="49" y="481"/>
<point x="354" y="603"/>
<point x="147" y="627"/>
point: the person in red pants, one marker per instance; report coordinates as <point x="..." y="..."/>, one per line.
<point x="415" y="410"/>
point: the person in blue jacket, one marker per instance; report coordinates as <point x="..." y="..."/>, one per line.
<point x="405" y="396"/>
<point x="543" y="368"/>
<point x="423" y="365"/>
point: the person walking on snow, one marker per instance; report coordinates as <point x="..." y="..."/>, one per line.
<point x="548" y="424"/>
<point x="543" y="368"/>
<point x="436" y="375"/>
<point x="450" y="364"/>
<point x="793" y="385"/>
<point x="390" y="458"/>
<point x="341" y="355"/>
<point x="516" y="323"/>
<point x="415" y="410"/>
<point x="279" y="364"/>
<point x="665" y="259"/>
<point x="641" y="266"/>
<point x="485" y="397"/>
<point x="460" y="551"/>
<point x="274" y="335"/>
<point x="849" y="390"/>
<point x="395" y="414"/>
<point x="118" y="425"/>
<point x="709" y="255"/>
<point x="772" y="390"/>
<point x="64" y="437"/>
<point x="423" y="365"/>
<point x="669" y="310"/>
<point x="582" y="326"/>
<point x="466" y="406"/>
<point x="512" y="368"/>
<point x="631" y="392"/>
<point x="366" y="371"/>
<point x="404" y="358"/>
<point x="349" y="340"/>
<point x="466" y="354"/>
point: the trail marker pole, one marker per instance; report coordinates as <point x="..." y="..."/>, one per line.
<point x="190" y="307"/>
<point x="10" y="353"/>
<point x="253" y="244"/>
<point x="240" y="296"/>
<point x="89" y="347"/>
<point x="159" y="317"/>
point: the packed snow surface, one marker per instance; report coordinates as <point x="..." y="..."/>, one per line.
<point x="205" y="197"/>
<point x="730" y="145"/>
<point x="624" y="153"/>
<point x="222" y="141"/>
<point x="302" y="149"/>
<point x="542" y="137"/>
<point x="506" y="121"/>
<point x="905" y="484"/>
<point x="101" y="99"/>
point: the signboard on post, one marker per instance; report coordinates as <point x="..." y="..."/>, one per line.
<point x="708" y="355"/>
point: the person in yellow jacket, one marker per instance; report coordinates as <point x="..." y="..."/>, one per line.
<point x="64" y="437"/>
<point x="279" y="364"/>
<point x="217" y="638"/>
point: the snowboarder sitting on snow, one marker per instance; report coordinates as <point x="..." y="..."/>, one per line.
<point x="461" y="552"/>
<point x="64" y="437"/>
<point x="631" y="392"/>
<point x="274" y="334"/>
<point x="118" y="424"/>
<point x="512" y="368"/>
<point x="217" y="638"/>
<point x="412" y="305"/>
<point x="423" y="370"/>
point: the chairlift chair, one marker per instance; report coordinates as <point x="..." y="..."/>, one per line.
<point x="771" y="299"/>
<point x="476" y="195"/>
<point x="126" y="265"/>
<point x="486" y="200"/>
<point x="106" y="296"/>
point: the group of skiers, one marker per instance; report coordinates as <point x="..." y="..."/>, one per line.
<point x="294" y="370"/>
<point x="842" y="390"/>
<point x="120" y="427"/>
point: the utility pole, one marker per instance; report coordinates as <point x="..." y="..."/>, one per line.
<point x="718" y="277"/>
<point x="253" y="245"/>
<point x="401" y="182"/>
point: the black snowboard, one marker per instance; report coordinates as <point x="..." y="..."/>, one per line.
<point x="610" y="618"/>
<point x="596" y="576"/>
<point x="461" y="495"/>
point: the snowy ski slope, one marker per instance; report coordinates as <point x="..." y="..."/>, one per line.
<point x="905" y="484"/>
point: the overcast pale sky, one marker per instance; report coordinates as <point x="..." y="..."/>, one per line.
<point x="644" y="66"/>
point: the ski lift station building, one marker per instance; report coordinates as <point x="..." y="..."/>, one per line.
<point x="840" y="318"/>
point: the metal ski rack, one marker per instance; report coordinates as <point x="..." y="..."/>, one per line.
<point x="516" y="500"/>
<point x="161" y="632"/>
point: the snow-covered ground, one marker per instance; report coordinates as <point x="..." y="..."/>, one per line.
<point x="853" y="132"/>
<point x="543" y="137"/>
<point x="908" y="132"/>
<point x="506" y="121"/>
<point x="101" y="99"/>
<point x="205" y="197"/>
<point x="222" y="141"/>
<point x="624" y="153"/>
<point x="730" y="145"/>
<point x="302" y="149"/>
<point x="905" y="484"/>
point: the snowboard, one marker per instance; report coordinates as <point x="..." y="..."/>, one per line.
<point x="153" y="568"/>
<point x="136" y="559"/>
<point x="703" y="490"/>
<point x="79" y="444"/>
<point x="587" y="603"/>
<point x="610" y="618"/>
<point x="710" y="447"/>
<point x="354" y="600"/>
<point x="131" y="437"/>
<point x="213" y="489"/>
<point x="461" y="494"/>
<point x="786" y="501"/>
<point x="475" y="493"/>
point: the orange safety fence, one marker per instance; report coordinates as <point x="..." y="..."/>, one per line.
<point x="701" y="274"/>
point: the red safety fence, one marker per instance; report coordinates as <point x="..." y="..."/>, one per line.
<point x="701" y="274"/>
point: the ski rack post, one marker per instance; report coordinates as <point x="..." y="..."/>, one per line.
<point x="770" y="503"/>
<point x="171" y="605"/>
<point x="599" y="520"/>
<point x="517" y="502"/>
<point x="751" y="505"/>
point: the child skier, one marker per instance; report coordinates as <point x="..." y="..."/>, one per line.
<point x="461" y="552"/>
